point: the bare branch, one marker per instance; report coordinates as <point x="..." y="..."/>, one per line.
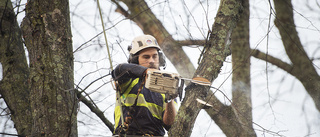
<point x="275" y="61"/>
<point x="94" y="108"/>
<point x="191" y="42"/>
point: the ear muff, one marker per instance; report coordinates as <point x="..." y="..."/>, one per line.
<point x="133" y="59"/>
<point x="162" y="59"/>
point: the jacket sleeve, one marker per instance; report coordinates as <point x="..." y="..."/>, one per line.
<point x="124" y="72"/>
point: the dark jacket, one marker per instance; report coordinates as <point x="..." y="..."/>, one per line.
<point x="147" y="113"/>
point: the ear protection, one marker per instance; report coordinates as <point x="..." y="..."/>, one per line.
<point x="142" y="42"/>
<point x="135" y="59"/>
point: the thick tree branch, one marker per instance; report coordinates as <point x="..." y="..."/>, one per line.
<point x="215" y="52"/>
<point x="191" y="42"/>
<point x="305" y="70"/>
<point x="222" y="115"/>
<point x="241" y="85"/>
<point x="275" y="61"/>
<point x="120" y="9"/>
<point x="14" y="87"/>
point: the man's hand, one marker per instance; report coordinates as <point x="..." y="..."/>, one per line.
<point x="170" y="97"/>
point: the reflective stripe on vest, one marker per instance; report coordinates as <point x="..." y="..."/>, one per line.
<point x="129" y="99"/>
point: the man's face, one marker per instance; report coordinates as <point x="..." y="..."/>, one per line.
<point x="149" y="58"/>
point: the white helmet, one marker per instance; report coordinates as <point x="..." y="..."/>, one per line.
<point x="142" y="42"/>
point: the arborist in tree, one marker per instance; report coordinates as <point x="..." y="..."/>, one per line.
<point x="143" y="112"/>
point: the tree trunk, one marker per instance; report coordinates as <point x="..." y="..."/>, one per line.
<point x="14" y="86"/>
<point x="236" y="120"/>
<point x="241" y="87"/>
<point x="47" y="34"/>
<point x="303" y="67"/>
<point x="215" y="52"/>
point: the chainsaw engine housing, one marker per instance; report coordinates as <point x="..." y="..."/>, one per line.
<point x="162" y="82"/>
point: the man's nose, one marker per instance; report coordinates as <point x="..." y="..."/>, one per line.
<point x="151" y="60"/>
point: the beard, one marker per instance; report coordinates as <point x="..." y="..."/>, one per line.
<point x="153" y="66"/>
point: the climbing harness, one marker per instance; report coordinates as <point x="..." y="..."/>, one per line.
<point x="129" y="119"/>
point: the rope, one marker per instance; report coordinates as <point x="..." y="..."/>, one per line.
<point x="130" y="116"/>
<point x="110" y="61"/>
<point x="105" y="35"/>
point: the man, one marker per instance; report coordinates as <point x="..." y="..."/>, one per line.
<point x="144" y="112"/>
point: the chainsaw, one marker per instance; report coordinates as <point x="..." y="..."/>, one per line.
<point x="169" y="83"/>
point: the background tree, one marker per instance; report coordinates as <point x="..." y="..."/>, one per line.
<point x="178" y="28"/>
<point x="14" y="88"/>
<point x="302" y="66"/>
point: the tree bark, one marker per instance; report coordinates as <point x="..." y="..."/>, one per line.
<point x="14" y="86"/>
<point x="236" y="120"/>
<point x="303" y="67"/>
<point x="47" y="33"/>
<point x="241" y="86"/>
<point x="215" y="52"/>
